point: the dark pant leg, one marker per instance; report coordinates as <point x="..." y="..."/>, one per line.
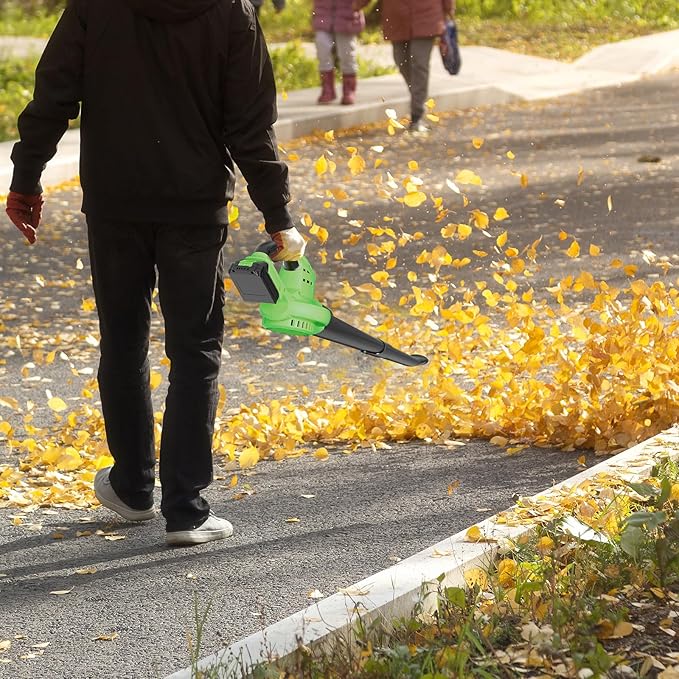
<point x="401" y="49"/>
<point x="420" y="57"/>
<point x="123" y="276"/>
<point x="191" y="286"/>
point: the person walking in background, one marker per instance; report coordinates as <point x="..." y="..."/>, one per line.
<point x="279" y="5"/>
<point x="337" y="25"/>
<point x="413" y="26"/>
<point x="174" y="93"/>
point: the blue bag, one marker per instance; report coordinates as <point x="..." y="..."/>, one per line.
<point x="450" y="50"/>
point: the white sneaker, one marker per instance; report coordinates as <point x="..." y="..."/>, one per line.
<point x="109" y="498"/>
<point x="419" y="129"/>
<point x="213" y="528"/>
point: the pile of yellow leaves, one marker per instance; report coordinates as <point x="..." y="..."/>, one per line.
<point x="579" y="364"/>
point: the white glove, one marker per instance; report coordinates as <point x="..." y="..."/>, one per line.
<point x="290" y="245"/>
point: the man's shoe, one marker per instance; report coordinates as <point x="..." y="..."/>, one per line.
<point x="213" y="528"/>
<point x="109" y="498"/>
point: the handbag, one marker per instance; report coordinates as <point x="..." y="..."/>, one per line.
<point x="450" y="50"/>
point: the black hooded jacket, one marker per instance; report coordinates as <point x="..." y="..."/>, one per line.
<point x="172" y="93"/>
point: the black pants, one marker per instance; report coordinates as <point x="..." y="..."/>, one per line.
<point x="189" y="264"/>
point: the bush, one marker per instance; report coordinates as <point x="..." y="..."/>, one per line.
<point x="16" y="90"/>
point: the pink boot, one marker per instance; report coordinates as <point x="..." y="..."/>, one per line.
<point x="328" y="93"/>
<point x="349" y="89"/>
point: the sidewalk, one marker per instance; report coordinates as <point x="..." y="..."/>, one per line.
<point x="489" y="76"/>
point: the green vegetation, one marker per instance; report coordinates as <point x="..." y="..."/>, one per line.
<point x="530" y="26"/>
<point x="16" y="89"/>
<point x="579" y="598"/>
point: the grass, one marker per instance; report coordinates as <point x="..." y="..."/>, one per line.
<point x="561" y="29"/>
<point x="555" y="605"/>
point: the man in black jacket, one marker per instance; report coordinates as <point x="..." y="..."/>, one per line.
<point x="173" y="92"/>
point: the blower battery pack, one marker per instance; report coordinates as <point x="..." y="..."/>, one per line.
<point x="254" y="282"/>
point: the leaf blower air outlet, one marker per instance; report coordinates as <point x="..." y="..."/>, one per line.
<point x="287" y="305"/>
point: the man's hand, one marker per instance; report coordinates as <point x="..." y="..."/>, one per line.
<point x="290" y="245"/>
<point x="25" y="212"/>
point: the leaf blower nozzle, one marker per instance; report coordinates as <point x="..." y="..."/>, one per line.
<point x="287" y="305"/>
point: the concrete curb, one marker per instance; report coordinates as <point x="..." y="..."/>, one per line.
<point x="394" y="592"/>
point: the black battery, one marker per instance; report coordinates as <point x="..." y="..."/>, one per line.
<point x="254" y="282"/>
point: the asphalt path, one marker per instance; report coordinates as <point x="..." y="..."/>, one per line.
<point x="370" y="507"/>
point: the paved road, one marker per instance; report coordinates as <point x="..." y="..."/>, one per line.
<point x="368" y="507"/>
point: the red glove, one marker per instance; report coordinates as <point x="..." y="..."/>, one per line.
<point x="25" y="212"/>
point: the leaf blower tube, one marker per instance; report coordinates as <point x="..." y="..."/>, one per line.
<point x="287" y="305"/>
<point x="343" y="333"/>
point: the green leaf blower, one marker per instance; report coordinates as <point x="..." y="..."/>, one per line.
<point x="287" y="305"/>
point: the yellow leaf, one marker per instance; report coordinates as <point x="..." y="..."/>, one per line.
<point x="475" y="577"/>
<point x="69" y="460"/>
<point x="510" y="155"/>
<point x="322" y="454"/>
<point x="415" y="199"/>
<point x="473" y="534"/>
<point x="233" y="481"/>
<point x="329" y="135"/>
<point x="292" y="519"/>
<point x="477" y="142"/>
<point x="5" y="428"/>
<point x="321" y="165"/>
<point x="594" y="250"/>
<point x="501" y="240"/>
<point x="156" y="379"/>
<point x="57" y="404"/>
<point x="106" y="637"/>
<point x="581" y="177"/>
<point x="103" y="461"/>
<point x="524" y="180"/>
<point x="500" y="441"/>
<point x="248" y="457"/>
<point x="609" y="631"/>
<point x="545" y="544"/>
<point x="574" y="249"/>
<point x="500" y="214"/>
<point x="464" y="231"/>
<point x="356" y="164"/>
<point x="90" y="570"/>
<point x="480" y="219"/>
<point x="468" y="177"/>
<point x="674" y="494"/>
<point x="413" y="165"/>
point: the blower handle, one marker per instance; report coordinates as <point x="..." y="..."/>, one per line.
<point x="269" y="247"/>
